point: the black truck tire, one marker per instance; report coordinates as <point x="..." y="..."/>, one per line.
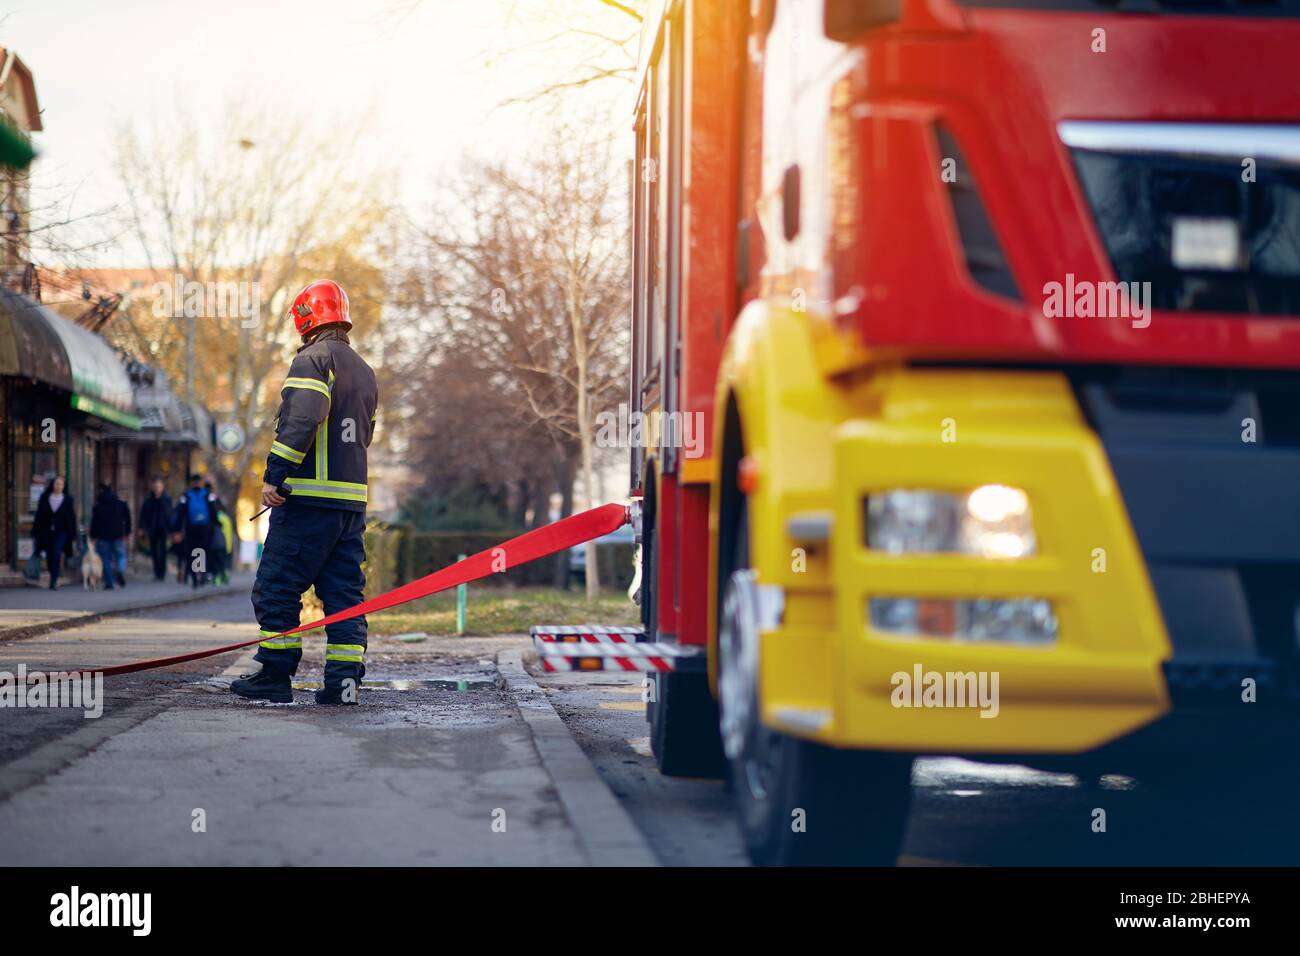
<point x="802" y="803"/>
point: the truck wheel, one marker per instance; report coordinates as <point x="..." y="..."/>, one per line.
<point x="799" y="803"/>
<point x="802" y="804"/>
<point x="684" y="726"/>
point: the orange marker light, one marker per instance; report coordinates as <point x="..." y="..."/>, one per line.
<point x="747" y="475"/>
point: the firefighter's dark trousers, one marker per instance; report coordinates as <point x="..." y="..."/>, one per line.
<point x="312" y="546"/>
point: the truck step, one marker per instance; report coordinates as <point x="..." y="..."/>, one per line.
<point x="594" y="647"/>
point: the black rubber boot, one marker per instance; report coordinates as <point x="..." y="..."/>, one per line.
<point x="333" y="694"/>
<point x="264" y="685"/>
<point x="342" y="683"/>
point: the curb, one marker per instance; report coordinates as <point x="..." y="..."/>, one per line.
<point x="604" y="829"/>
<point x="90" y="617"/>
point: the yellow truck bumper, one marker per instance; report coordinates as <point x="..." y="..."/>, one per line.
<point x="826" y="674"/>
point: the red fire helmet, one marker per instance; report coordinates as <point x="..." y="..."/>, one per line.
<point x="322" y="302"/>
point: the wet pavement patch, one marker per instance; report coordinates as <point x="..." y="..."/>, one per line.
<point x="477" y="680"/>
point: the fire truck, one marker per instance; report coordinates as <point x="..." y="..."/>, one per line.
<point x="988" y="313"/>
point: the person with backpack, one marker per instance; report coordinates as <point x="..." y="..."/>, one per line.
<point x="195" y="526"/>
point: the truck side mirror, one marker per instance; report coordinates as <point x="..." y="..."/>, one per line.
<point x="847" y="20"/>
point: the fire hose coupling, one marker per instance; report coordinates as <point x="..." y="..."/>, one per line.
<point x="634" y="517"/>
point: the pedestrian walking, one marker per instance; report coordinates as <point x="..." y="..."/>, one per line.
<point x="110" y="528"/>
<point x="156" y="522"/>
<point x="195" y="528"/>
<point x="316" y="483"/>
<point x="221" y="534"/>
<point x="54" y="530"/>
<point x="178" y="540"/>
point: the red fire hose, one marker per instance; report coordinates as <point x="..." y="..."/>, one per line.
<point x="530" y="546"/>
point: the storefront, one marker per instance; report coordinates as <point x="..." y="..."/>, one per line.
<point x="62" y="388"/>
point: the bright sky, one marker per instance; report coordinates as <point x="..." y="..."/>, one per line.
<point x="433" y="74"/>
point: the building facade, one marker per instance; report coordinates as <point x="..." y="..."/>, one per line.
<point x="64" y="394"/>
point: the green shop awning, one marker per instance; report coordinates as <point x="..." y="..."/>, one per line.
<point x="38" y="343"/>
<point x="93" y="406"/>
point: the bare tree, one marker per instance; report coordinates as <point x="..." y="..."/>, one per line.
<point x="597" y="42"/>
<point x="471" y="447"/>
<point x="590" y="41"/>
<point x="528" y="275"/>
<point x="250" y="200"/>
<point x="39" y="229"/>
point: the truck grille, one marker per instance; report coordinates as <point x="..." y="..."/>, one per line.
<point x="1208" y="214"/>
<point x="1217" y="518"/>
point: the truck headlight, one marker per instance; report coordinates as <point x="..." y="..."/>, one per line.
<point x="994" y="620"/>
<point x="992" y="521"/>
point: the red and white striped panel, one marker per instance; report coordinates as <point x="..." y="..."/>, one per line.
<point x="589" y="633"/>
<point x="590" y="647"/>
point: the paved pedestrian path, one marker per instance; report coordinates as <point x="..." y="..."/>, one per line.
<point x="425" y="771"/>
<point x="22" y="608"/>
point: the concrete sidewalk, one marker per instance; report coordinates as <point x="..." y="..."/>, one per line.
<point x="442" y="764"/>
<point x="406" y="779"/>
<point x="30" y="610"/>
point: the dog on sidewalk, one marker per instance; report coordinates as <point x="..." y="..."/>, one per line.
<point x="92" y="570"/>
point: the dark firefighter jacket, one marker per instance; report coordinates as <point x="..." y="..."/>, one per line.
<point x="325" y="423"/>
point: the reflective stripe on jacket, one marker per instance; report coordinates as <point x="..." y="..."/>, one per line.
<point x="325" y="423"/>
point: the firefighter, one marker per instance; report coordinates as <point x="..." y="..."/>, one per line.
<point x="315" y="484"/>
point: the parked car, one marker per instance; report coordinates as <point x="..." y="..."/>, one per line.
<point x="578" y="553"/>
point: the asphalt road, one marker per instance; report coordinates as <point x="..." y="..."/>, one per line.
<point x="963" y="813"/>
